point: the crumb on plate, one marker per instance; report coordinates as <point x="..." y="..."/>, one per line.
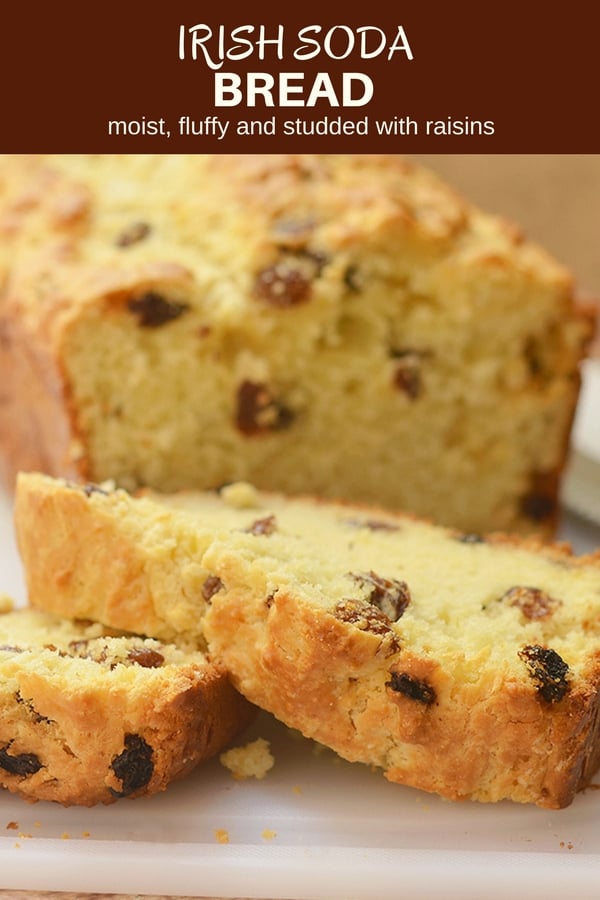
<point x="253" y="760"/>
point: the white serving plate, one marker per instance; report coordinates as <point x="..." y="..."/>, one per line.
<point x="314" y="827"/>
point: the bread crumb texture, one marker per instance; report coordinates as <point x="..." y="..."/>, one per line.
<point x="221" y="836"/>
<point x="343" y="325"/>
<point x="253" y="760"/>
<point x="461" y="663"/>
<point x="90" y="716"/>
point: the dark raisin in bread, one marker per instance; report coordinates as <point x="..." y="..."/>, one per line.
<point x="345" y="326"/>
<point x="460" y="664"/>
<point x="89" y="716"/>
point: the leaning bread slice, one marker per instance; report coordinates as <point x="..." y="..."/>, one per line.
<point x="87" y="717"/>
<point x="132" y="563"/>
<point x="459" y="665"/>
<point x="462" y="665"/>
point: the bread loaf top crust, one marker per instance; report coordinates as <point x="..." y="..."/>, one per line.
<point x="346" y="326"/>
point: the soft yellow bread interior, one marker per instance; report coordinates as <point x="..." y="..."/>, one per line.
<point x="459" y="663"/>
<point x="89" y="715"/>
<point x="471" y="602"/>
<point x="342" y="325"/>
<point x="461" y="606"/>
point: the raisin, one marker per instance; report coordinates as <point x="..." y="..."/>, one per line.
<point x="407" y="377"/>
<point x="366" y="617"/>
<point x="20" y="764"/>
<point x="282" y="285"/>
<point x="10" y="648"/>
<point x="135" y="232"/>
<point x="153" y="310"/>
<point x="538" y="507"/>
<point x="548" y="670"/>
<point x="533" y="602"/>
<point x="134" y="766"/>
<point x="533" y="357"/>
<point x="146" y="657"/>
<point x="263" y="526"/>
<point x="408" y="381"/>
<point x="389" y="595"/>
<point x="210" y="587"/>
<point x="413" y="688"/>
<point x="373" y="524"/>
<point x="258" y="412"/>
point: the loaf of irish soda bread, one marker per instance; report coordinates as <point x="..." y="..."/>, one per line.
<point x="89" y="717"/>
<point x="464" y="665"/>
<point x="345" y="326"/>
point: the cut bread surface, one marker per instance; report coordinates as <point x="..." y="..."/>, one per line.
<point x="345" y="326"/>
<point x="90" y="716"/>
<point x="459" y="663"/>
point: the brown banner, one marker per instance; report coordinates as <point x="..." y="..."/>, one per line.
<point x="414" y="77"/>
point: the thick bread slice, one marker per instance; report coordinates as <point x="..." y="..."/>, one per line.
<point x="462" y="665"/>
<point x="135" y="564"/>
<point x="88" y="717"/>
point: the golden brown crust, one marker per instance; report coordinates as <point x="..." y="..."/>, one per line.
<point x="39" y="416"/>
<point x="109" y="564"/>
<point x="86" y="730"/>
<point x="348" y="232"/>
<point x="87" y="559"/>
<point x="89" y="554"/>
<point x="460" y="664"/>
<point x="485" y="742"/>
<point x="35" y="416"/>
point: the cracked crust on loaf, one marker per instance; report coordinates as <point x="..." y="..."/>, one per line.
<point x="340" y="325"/>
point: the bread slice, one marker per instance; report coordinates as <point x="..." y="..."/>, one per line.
<point x="339" y="325"/>
<point x="464" y="665"/>
<point x="88" y="716"/>
<point x="133" y="563"/>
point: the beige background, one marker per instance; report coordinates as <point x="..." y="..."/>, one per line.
<point x="556" y="200"/>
